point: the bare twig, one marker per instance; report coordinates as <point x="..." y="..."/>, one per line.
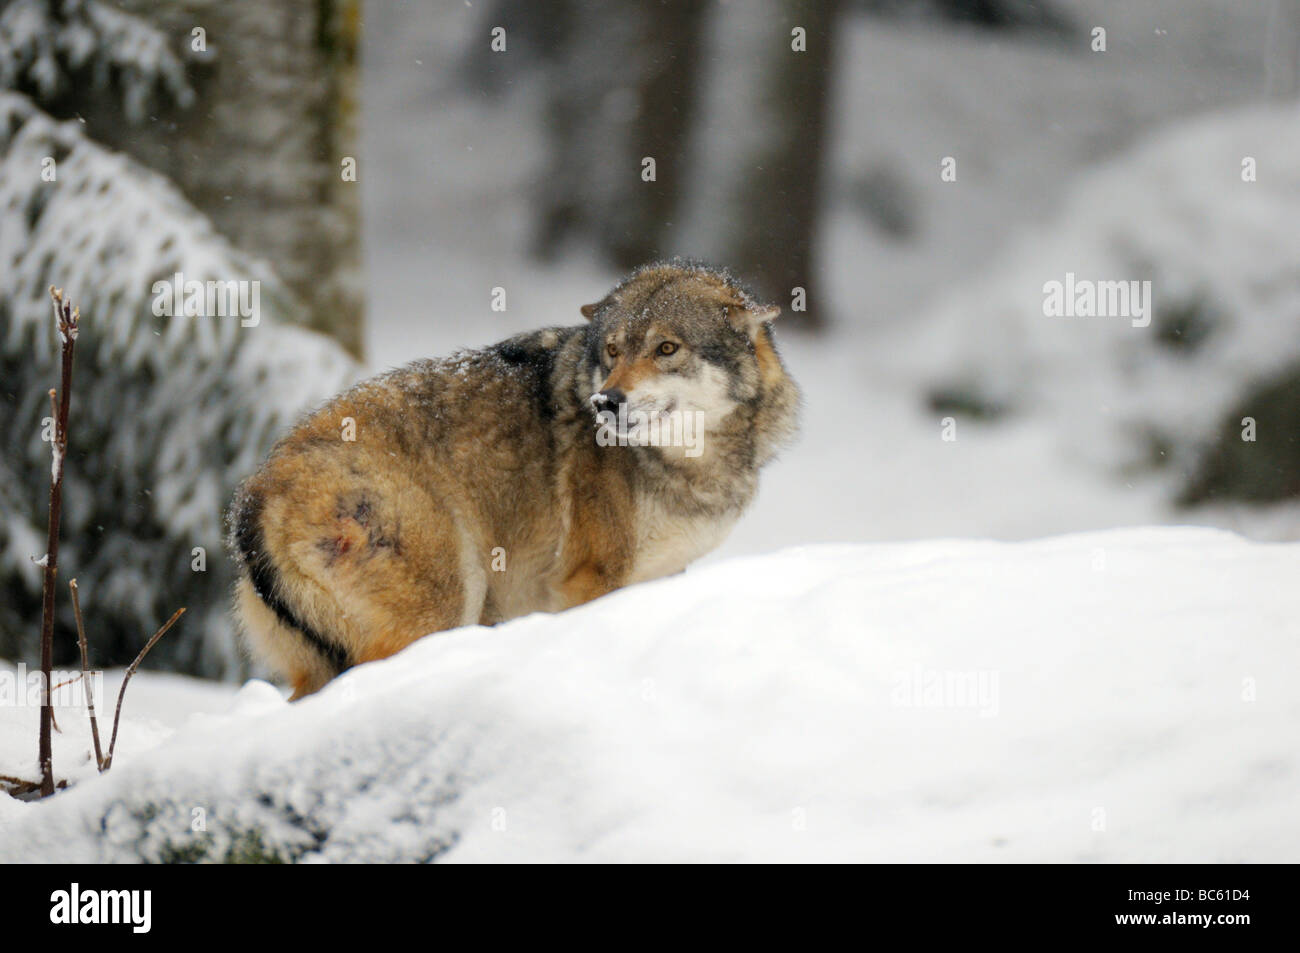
<point x="54" y="719"/>
<point x="20" y="788"/>
<point x="85" y="671"/>
<point x="17" y="787"/>
<point x="66" y="318"/>
<point x="126" y="677"/>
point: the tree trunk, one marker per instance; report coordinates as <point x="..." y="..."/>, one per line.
<point x="260" y="152"/>
<point x="1283" y="55"/>
<point x="622" y="90"/>
<point x="770" y="231"/>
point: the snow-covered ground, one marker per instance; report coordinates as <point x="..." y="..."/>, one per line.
<point x="1117" y="696"/>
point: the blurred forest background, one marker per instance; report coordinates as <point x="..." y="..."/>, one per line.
<point x="506" y="145"/>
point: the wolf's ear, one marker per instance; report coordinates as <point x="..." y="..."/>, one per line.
<point x="589" y="311"/>
<point x="749" y="318"/>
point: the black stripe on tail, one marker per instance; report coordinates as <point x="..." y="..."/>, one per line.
<point x="246" y="533"/>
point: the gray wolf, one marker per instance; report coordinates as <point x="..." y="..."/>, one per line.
<point x="512" y="479"/>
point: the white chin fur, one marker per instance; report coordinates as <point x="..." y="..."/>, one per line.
<point x="705" y="392"/>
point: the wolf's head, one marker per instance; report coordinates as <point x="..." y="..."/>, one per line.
<point x="678" y="339"/>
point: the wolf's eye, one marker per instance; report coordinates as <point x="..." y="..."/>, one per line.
<point x="611" y="349"/>
<point x="668" y="347"/>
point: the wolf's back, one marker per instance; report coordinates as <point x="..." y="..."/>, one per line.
<point x="350" y="545"/>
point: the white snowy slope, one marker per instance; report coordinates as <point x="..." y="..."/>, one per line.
<point x="1116" y="696"/>
<point x="155" y="705"/>
<point x="1217" y="251"/>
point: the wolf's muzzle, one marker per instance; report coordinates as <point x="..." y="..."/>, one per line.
<point x="608" y="399"/>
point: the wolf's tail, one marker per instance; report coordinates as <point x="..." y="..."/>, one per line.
<point x="274" y="625"/>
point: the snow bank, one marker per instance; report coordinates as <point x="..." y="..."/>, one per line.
<point x="1219" y="252"/>
<point x="1118" y="696"/>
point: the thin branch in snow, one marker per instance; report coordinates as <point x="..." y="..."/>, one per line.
<point x="68" y="681"/>
<point x="65" y="319"/>
<point x="18" y="787"/>
<point x="21" y="788"/>
<point x="85" y="671"/>
<point x="126" y="678"/>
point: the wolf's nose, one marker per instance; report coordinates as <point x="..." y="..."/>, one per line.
<point x="606" y="398"/>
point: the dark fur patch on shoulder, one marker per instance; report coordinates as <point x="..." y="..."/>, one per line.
<point x="528" y="353"/>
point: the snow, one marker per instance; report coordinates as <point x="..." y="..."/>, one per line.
<point x="1109" y="696"/>
<point x="155" y="704"/>
<point x="1116" y="696"/>
<point x="1085" y="394"/>
<point x="48" y="45"/>
<point x="1175" y="212"/>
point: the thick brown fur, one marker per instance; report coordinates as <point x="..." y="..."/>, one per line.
<point x="475" y="489"/>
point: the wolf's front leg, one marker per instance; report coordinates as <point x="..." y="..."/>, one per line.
<point x="598" y="549"/>
<point x="589" y="581"/>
